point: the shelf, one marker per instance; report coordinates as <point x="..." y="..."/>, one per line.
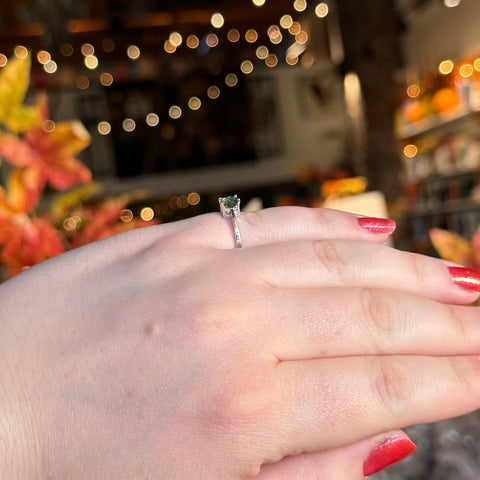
<point x="446" y="207"/>
<point x="447" y="176"/>
<point x="436" y="123"/>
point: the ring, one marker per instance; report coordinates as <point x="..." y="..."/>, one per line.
<point x="230" y="207"/>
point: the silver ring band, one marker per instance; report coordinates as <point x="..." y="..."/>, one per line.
<point x="230" y="207"/>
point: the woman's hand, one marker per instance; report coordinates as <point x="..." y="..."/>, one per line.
<point x="164" y="353"/>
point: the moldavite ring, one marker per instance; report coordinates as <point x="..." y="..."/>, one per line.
<point x="230" y="207"/>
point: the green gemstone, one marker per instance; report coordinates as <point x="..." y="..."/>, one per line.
<point x="229" y="202"/>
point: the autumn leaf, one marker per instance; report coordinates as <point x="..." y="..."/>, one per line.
<point x="451" y="247"/>
<point x="51" y="153"/>
<point x="14" y="82"/>
<point x="24" y="188"/>
<point x="27" y="242"/>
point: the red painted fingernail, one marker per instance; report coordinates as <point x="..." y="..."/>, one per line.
<point x="377" y="225"/>
<point x="387" y="453"/>
<point x="467" y="278"/>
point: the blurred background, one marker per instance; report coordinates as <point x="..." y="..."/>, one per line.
<point x="371" y="107"/>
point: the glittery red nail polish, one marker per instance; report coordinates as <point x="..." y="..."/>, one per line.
<point x="467" y="278"/>
<point x="377" y="225"/>
<point x="387" y="453"/>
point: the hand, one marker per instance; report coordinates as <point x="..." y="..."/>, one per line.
<point x="164" y="353"/>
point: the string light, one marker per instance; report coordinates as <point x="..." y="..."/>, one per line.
<point x="169" y="47"/>
<point x="291" y="59"/>
<point x="299" y="5"/>
<point x="3" y="60"/>
<point x="301" y="37"/>
<point x="82" y="82"/>
<point x="104" y="128"/>
<point x="231" y="80"/>
<point x="193" y="198"/>
<point x="175" y="39"/>
<point x="452" y="3"/>
<point x="262" y="52"/>
<point x="43" y="57"/>
<point x="213" y="92"/>
<point x="126" y="216"/>
<point x="91" y="62"/>
<point x="50" y="67"/>
<point x="211" y="40"/>
<point x="258" y="3"/>
<point x="106" y="79"/>
<point x="271" y="61"/>
<point x="194" y="103"/>
<point x="192" y="41"/>
<point x="147" y="214"/>
<point x="152" y="119"/>
<point x="476" y="64"/>
<point x="233" y="35"/>
<point x="87" y="49"/>
<point x="217" y="20"/>
<point x="251" y="35"/>
<point x="286" y="21"/>
<point x="175" y="112"/>
<point x="410" y="150"/>
<point x="129" y="125"/>
<point x="294" y="28"/>
<point x="133" y="52"/>
<point x="446" y="67"/>
<point x="466" y="70"/>
<point x="413" y="91"/>
<point x="20" y="51"/>
<point x="246" y="67"/>
<point x="321" y="10"/>
<point x="48" y="126"/>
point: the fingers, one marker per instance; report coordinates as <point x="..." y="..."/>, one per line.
<point x="335" y="322"/>
<point x="344" y="263"/>
<point x="354" y="462"/>
<point x="367" y="395"/>
<point x="281" y="224"/>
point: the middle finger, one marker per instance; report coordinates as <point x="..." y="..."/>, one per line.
<point x="335" y="322"/>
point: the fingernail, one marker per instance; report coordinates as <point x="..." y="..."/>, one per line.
<point x="377" y="225"/>
<point x="387" y="453"/>
<point x="467" y="278"/>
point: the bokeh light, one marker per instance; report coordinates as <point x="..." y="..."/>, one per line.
<point x="20" y="51"/>
<point x="246" y="67"/>
<point x="104" y="128"/>
<point x="213" y="92"/>
<point x="147" y="214"/>
<point x="194" y="103"/>
<point x="217" y="20"/>
<point x="410" y="150"/>
<point x="231" y="80"/>
<point x="192" y="41"/>
<point x="133" y="52"/>
<point x="321" y="10"/>
<point x="152" y="119"/>
<point x="175" y="112"/>
<point x="129" y="125"/>
<point x="233" y="35"/>
<point x="446" y="67"/>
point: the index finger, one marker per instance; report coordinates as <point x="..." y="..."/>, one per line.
<point x="281" y="224"/>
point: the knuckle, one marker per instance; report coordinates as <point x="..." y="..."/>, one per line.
<point x="391" y="385"/>
<point x="385" y="321"/>
<point x="239" y="403"/>
<point x="334" y="259"/>
<point x="466" y="372"/>
<point x="419" y="269"/>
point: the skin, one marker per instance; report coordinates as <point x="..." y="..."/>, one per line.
<point x="165" y="353"/>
